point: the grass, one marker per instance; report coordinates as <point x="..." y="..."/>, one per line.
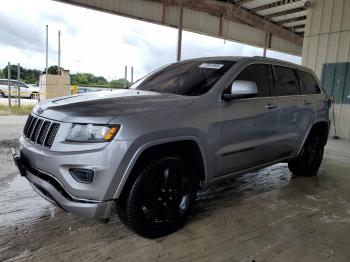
<point x="15" y="110"/>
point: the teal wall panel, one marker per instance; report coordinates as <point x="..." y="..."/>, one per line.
<point x="336" y="81"/>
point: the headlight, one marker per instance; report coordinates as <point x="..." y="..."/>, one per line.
<point x="91" y="133"/>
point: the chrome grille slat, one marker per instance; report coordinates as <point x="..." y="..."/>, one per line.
<point x="32" y="127"/>
<point x="51" y="134"/>
<point x="40" y="131"/>
<point x="29" y="126"/>
<point x="27" y="123"/>
<point x="43" y="132"/>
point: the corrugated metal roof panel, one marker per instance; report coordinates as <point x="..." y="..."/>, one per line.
<point x="257" y="3"/>
<point x="194" y="20"/>
<point x="280" y="8"/>
<point x="278" y="43"/>
<point x="293" y="15"/>
<point x="302" y="22"/>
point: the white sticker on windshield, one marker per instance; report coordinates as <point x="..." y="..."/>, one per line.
<point x="211" y="66"/>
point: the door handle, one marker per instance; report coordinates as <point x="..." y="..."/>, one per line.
<point x="305" y="102"/>
<point x="270" y="106"/>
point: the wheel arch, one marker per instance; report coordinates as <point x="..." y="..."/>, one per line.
<point x="35" y="93"/>
<point x="321" y="127"/>
<point x="188" y="145"/>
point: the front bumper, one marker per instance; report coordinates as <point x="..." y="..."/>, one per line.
<point x="52" y="190"/>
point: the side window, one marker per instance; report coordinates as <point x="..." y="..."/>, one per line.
<point x="258" y="74"/>
<point x="23" y="85"/>
<point x="286" y="82"/>
<point x="308" y="83"/>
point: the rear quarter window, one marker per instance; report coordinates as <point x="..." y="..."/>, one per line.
<point x="308" y="83"/>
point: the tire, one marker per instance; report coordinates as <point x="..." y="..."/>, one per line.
<point x="161" y="197"/>
<point x="2" y="95"/>
<point x="34" y="96"/>
<point x="310" y="157"/>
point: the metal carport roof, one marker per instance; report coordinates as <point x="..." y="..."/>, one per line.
<point x="272" y="24"/>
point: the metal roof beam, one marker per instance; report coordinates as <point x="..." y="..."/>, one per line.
<point x="242" y="2"/>
<point x="286" y="12"/>
<point x="273" y="5"/>
<point x="296" y="27"/>
<point x="234" y="11"/>
<point x="291" y="20"/>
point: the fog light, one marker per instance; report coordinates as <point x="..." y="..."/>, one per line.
<point x="82" y="175"/>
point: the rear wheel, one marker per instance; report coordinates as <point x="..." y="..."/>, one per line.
<point x="161" y="197"/>
<point x="2" y="95"/>
<point x="310" y="157"/>
<point x="34" y="96"/>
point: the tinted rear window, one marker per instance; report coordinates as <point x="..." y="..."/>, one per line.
<point x="191" y="78"/>
<point x="308" y="83"/>
<point x="286" y="82"/>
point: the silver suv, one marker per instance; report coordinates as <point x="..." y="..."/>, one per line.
<point x="146" y="151"/>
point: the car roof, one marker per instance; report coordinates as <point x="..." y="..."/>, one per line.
<point x="252" y="59"/>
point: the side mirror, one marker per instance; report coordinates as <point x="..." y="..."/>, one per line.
<point x="241" y="89"/>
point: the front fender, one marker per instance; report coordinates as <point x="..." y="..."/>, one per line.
<point x="136" y="154"/>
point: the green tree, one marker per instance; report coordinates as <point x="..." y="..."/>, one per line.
<point x="13" y="70"/>
<point x="31" y="76"/>
<point x="100" y="80"/>
<point x="53" y="70"/>
<point x="2" y="74"/>
<point x="120" y="83"/>
<point x="87" y="79"/>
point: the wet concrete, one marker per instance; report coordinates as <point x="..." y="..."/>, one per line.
<point x="267" y="215"/>
<point x="11" y="127"/>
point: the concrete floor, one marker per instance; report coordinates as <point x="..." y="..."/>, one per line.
<point x="11" y="127"/>
<point x="267" y="215"/>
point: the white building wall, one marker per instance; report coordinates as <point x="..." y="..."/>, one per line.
<point x="327" y="40"/>
<point x="327" y="34"/>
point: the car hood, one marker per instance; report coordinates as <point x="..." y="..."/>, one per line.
<point x="101" y="107"/>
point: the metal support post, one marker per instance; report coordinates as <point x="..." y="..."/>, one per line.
<point x="179" y="34"/>
<point x="18" y="85"/>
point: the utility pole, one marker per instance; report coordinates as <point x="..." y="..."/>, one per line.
<point x="18" y="86"/>
<point x="126" y="76"/>
<point x="132" y="75"/>
<point x="179" y="33"/>
<point x="47" y="47"/>
<point x="9" y="83"/>
<point x="59" y="51"/>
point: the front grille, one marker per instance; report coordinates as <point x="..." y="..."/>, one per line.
<point x="40" y="131"/>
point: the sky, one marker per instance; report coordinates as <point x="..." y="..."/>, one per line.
<point x="101" y="43"/>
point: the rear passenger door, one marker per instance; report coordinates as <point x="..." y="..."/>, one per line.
<point x="310" y="87"/>
<point x="296" y="110"/>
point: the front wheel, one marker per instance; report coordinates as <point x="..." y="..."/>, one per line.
<point x="310" y="157"/>
<point x="161" y="197"/>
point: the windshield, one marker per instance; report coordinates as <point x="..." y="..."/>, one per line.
<point x="191" y="78"/>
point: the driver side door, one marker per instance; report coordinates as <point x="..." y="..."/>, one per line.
<point x="249" y="126"/>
